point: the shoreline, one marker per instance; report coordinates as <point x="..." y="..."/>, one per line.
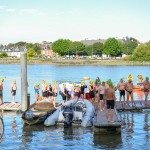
<point x="78" y="62"/>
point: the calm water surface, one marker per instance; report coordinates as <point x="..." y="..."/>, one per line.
<point x="135" y="135"/>
<point x="36" y="73"/>
<point x="135" y="130"/>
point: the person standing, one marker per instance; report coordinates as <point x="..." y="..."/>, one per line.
<point x="13" y="89"/>
<point x="36" y="89"/>
<point x="50" y="93"/>
<point x="64" y="93"/>
<point x="129" y="90"/>
<point x="121" y="88"/>
<point x="1" y="92"/>
<point x="146" y="85"/>
<point x="101" y="91"/>
<point x="83" y="86"/>
<point x="110" y="102"/>
<point x="91" y="92"/>
<point x="44" y="89"/>
<point x="54" y="93"/>
<point x="97" y="81"/>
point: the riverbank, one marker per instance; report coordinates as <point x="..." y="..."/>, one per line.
<point x="99" y="62"/>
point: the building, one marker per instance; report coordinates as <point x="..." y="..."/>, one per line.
<point x="91" y="42"/>
<point x="13" y="51"/>
<point x="46" y="50"/>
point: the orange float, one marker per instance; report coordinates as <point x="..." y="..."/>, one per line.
<point x="138" y="88"/>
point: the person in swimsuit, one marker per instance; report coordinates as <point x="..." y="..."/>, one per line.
<point x="97" y="81"/>
<point x="50" y="93"/>
<point x="129" y="90"/>
<point x="91" y="92"/>
<point x="110" y="102"/>
<point x="36" y="89"/>
<point x="121" y="89"/>
<point x="77" y="91"/>
<point x="54" y="93"/>
<point x="44" y="89"/>
<point x="146" y="85"/>
<point x="83" y="86"/>
<point x="64" y="93"/>
<point x="13" y="89"/>
<point x="72" y="93"/>
<point x="101" y="91"/>
<point x="97" y="92"/>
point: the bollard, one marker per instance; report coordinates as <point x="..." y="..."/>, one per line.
<point x="28" y="100"/>
<point x="23" y="61"/>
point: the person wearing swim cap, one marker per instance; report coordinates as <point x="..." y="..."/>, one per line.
<point x="110" y="102"/>
<point x="129" y="90"/>
<point x="36" y="89"/>
<point x="121" y="89"/>
<point x="13" y="89"/>
<point x="146" y="85"/>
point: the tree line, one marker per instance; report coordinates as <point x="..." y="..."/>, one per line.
<point x="112" y="47"/>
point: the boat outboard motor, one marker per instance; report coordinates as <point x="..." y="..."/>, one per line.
<point x="68" y="115"/>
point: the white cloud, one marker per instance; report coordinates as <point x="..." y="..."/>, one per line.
<point x="11" y="10"/>
<point x="43" y="14"/>
<point x="30" y="11"/>
<point x="2" y="7"/>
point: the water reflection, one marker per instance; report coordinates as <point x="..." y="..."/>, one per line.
<point x="28" y="133"/>
<point x="14" y="125"/>
<point x="135" y="135"/>
<point x="108" y="141"/>
<point x="73" y="133"/>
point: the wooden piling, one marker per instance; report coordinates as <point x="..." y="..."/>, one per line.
<point x="23" y="61"/>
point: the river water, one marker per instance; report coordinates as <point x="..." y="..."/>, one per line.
<point x="135" y="129"/>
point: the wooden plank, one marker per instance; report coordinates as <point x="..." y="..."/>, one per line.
<point x="16" y="105"/>
<point x="139" y="105"/>
<point x="3" y="105"/>
<point x="101" y="121"/>
<point x="9" y="106"/>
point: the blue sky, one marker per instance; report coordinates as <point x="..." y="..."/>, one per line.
<point x="49" y="20"/>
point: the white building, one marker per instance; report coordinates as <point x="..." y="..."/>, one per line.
<point x="13" y="51"/>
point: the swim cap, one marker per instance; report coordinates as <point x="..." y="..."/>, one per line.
<point x="147" y="78"/>
<point x="111" y="84"/>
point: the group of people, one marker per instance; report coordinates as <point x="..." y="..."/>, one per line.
<point x="13" y="89"/>
<point x="127" y="89"/>
<point x="101" y="92"/>
<point x="48" y="91"/>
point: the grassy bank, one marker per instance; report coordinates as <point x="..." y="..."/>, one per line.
<point x="113" y="62"/>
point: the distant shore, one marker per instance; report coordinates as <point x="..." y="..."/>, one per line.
<point x="63" y="62"/>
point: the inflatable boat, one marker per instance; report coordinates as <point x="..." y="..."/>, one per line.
<point x="73" y="112"/>
<point x="38" y="112"/>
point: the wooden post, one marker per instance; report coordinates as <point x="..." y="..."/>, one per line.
<point x="23" y="61"/>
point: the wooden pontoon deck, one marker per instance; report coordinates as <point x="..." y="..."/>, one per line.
<point x="8" y="106"/>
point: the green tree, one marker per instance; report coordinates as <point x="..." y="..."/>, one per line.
<point x="31" y="52"/>
<point x="88" y="50"/>
<point x="129" y="45"/>
<point x="97" y="48"/>
<point x="29" y="45"/>
<point x="20" y="43"/>
<point x="3" y="55"/>
<point x="112" y="47"/>
<point x="61" y="46"/>
<point x="142" y="52"/>
<point x="37" y="48"/>
<point x="77" y="48"/>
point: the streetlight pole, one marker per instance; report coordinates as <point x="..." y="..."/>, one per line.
<point x="76" y="51"/>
